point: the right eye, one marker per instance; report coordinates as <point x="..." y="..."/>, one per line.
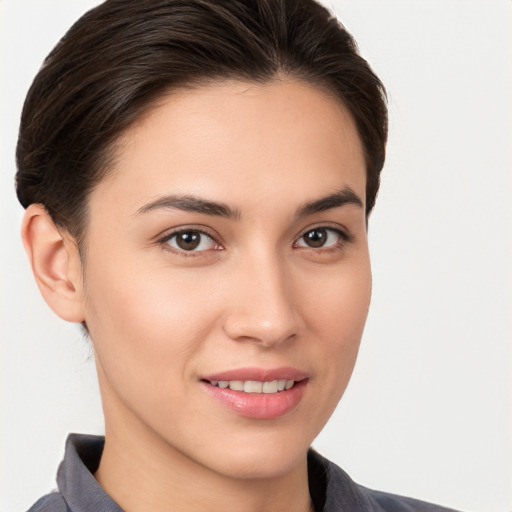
<point x="190" y="240"/>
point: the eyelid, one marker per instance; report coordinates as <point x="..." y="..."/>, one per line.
<point x="342" y="231"/>
<point x="169" y="234"/>
<point x="343" y="239"/>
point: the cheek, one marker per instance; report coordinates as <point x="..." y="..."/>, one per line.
<point x="143" y="300"/>
<point x="336" y="314"/>
<point x="337" y="305"/>
<point x="145" y="328"/>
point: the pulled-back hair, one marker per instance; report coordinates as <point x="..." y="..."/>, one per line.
<point x="120" y="57"/>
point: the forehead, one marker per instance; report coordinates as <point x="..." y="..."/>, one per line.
<point x="235" y="139"/>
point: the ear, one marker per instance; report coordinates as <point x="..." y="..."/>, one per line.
<point x="55" y="263"/>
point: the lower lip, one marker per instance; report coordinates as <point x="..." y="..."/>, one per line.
<point x="261" y="406"/>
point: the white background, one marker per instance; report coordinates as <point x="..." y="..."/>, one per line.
<point x="429" y="409"/>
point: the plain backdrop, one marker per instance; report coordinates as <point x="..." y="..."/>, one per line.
<point x="429" y="410"/>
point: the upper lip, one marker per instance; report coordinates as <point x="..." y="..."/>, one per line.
<point x="258" y="374"/>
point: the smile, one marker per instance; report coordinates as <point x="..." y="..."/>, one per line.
<point x="257" y="393"/>
<point x="254" y="386"/>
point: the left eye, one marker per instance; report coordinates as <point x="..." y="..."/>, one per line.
<point x="319" y="237"/>
<point x="191" y="240"/>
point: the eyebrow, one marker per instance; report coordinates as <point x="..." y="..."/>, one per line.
<point x="340" y="198"/>
<point x="191" y="203"/>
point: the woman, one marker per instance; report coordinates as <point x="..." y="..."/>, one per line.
<point x="198" y="178"/>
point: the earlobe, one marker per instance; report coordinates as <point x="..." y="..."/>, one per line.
<point x="55" y="263"/>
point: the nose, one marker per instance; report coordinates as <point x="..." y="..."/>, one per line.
<point x="263" y="308"/>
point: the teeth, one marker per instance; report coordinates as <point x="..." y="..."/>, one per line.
<point x="269" y="387"/>
<point x="254" y="386"/>
<point x="236" y="385"/>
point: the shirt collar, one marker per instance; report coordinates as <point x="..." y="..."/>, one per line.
<point x="75" y="477"/>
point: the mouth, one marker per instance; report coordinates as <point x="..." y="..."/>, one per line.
<point x="254" y="386"/>
<point x="257" y="393"/>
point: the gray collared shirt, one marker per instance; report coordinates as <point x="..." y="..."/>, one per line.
<point x="330" y="487"/>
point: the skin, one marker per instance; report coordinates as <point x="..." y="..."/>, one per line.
<point x="254" y="294"/>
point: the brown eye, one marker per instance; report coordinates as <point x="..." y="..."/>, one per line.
<point x="188" y="241"/>
<point x="319" y="238"/>
<point x="191" y="240"/>
<point x="315" y="237"/>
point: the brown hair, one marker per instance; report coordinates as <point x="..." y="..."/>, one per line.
<point x="121" y="56"/>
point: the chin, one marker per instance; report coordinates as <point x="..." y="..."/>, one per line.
<point x="267" y="456"/>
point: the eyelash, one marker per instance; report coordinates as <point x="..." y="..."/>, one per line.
<point x="182" y="253"/>
<point x="344" y="238"/>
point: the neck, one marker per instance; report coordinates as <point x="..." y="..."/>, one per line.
<point x="152" y="475"/>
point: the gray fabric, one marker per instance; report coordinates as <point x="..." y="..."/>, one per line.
<point x="78" y="489"/>
<point x="331" y="488"/>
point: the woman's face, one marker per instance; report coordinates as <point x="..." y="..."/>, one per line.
<point x="228" y="247"/>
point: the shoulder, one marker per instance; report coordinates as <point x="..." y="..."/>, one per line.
<point x="340" y="492"/>
<point x="384" y="502"/>
<point x="53" y="502"/>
